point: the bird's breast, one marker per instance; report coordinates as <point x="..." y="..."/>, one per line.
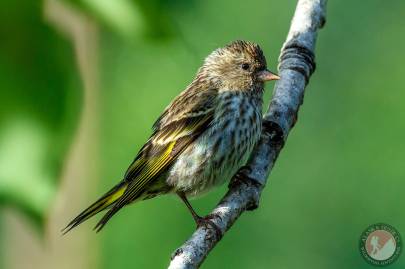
<point x="218" y="153"/>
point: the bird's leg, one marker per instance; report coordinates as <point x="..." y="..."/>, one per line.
<point x="196" y="217"/>
<point x="200" y="221"/>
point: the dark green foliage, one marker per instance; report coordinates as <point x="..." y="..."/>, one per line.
<point x="40" y="101"/>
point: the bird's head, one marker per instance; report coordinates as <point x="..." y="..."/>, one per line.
<point x="239" y="65"/>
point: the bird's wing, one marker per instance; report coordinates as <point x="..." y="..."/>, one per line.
<point x="173" y="133"/>
<point x="192" y="102"/>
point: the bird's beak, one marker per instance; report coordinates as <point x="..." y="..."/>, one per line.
<point x="266" y="75"/>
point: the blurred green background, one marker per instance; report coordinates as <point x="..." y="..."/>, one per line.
<point x="82" y="81"/>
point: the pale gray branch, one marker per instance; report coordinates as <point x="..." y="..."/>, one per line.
<point x="296" y="65"/>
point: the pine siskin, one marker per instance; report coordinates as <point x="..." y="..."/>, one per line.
<point x="202" y="137"/>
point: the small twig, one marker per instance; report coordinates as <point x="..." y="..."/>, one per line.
<point x="296" y="65"/>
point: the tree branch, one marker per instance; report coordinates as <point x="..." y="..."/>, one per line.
<point x="296" y="65"/>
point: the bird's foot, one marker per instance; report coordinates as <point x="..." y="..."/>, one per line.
<point x="242" y="178"/>
<point x="208" y="223"/>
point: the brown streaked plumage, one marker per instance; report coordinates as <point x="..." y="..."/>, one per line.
<point x="201" y="138"/>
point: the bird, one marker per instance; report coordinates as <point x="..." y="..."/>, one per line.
<point x="202" y="137"/>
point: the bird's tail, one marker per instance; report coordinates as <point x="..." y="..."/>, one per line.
<point x="106" y="201"/>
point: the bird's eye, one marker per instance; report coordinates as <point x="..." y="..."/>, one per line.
<point x="245" y="66"/>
